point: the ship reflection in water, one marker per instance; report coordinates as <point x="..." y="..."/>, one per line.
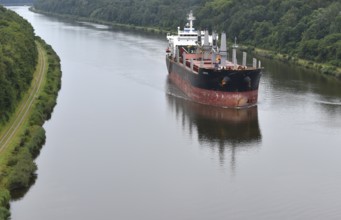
<point x="226" y="131"/>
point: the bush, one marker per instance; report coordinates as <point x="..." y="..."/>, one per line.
<point x="4" y="204"/>
<point x="22" y="172"/>
<point x="4" y="197"/>
<point x="4" y="213"/>
<point x="37" y="140"/>
<point x="20" y="167"/>
<point x="328" y="70"/>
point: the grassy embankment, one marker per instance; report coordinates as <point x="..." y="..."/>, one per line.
<point x="23" y="136"/>
<point x="322" y="68"/>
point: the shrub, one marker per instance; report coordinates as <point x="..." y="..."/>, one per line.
<point x="22" y="172"/>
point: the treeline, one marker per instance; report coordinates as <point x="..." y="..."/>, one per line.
<point x="166" y="14"/>
<point x="16" y="2"/>
<point x="308" y="29"/>
<point x="19" y="169"/>
<point x="18" y="58"/>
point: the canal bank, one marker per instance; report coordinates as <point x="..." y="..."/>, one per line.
<point x="322" y="68"/>
<point x="23" y="136"/>
<point x="123" y="145"/>
<point x="96" y="21"/>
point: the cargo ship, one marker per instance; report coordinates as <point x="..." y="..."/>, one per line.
<point x="201" y="69"/>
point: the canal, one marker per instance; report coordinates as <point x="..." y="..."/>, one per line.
<point x="124" y="143"/>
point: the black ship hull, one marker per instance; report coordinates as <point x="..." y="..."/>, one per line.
<point x="218" y="87"/>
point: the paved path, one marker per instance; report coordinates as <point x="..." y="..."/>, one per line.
<point x="25" y="106"/>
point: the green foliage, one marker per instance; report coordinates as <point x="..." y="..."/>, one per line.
<point x="4" y="199"/>
<point x="47" y="99"/>
<point x="34" y="139"/>
<point x="21" y="167"/>
<point x="306" y="29"/>
<point x="15" y="2"/>
<point x="167" y="14"/>
<point x="18" y="58"/>
<point x="4" y="213"/>
<point x="22" y="170"/>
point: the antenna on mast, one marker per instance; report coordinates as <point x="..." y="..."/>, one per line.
<point x="235" y="45"/>
<point x="191" y="18"/>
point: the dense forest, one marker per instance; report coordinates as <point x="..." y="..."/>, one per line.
<point x="18" y="58"/>
<point x="17" y="165"/>
<point x="165" y="14"/>
<point x="16" y="2"/>
<point x="309" y="29"/>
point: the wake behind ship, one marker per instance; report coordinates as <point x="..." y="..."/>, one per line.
<point x="201" y="70"/>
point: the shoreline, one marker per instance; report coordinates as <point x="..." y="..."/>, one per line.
<point x="26" y="137"/>
<point x="325" y="69"/>
<point x="95" y="21"/>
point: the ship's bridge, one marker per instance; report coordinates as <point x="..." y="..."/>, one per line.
<point x="187" y="37"/>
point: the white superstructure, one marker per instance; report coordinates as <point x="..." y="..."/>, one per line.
<point x="188" y="36"/>
<point x="190" y="41"/>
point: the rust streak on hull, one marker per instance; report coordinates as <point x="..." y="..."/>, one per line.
<point x="216" y="98"/>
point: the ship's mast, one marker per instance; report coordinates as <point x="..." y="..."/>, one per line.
<point x="235" y="45"/>
<point x="191" y="18"/>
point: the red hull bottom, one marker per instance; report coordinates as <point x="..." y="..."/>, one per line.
<point x="216" y="98"/>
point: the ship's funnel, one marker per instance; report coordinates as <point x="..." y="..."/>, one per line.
<point x="223" y="49"/>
